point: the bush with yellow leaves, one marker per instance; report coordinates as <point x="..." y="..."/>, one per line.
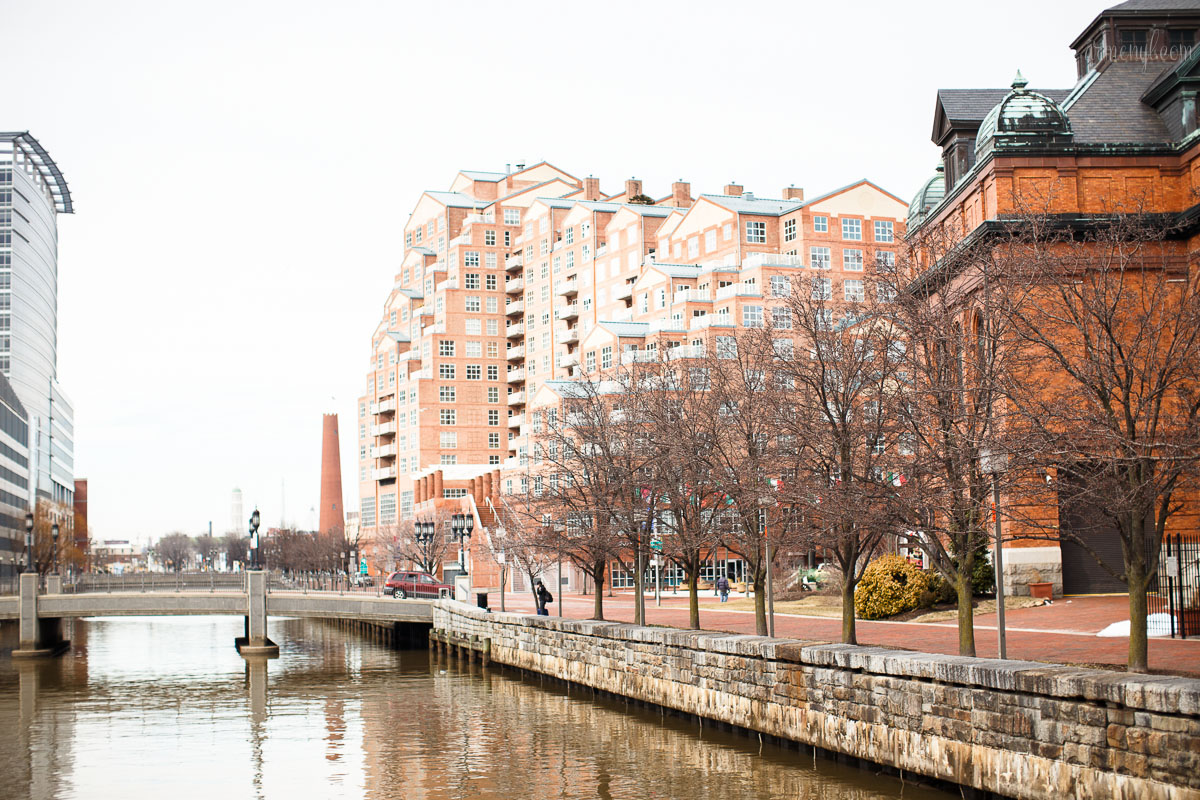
<point x="890" y="585"/>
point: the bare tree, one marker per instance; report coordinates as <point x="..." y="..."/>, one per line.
<point x="236" y="548"/>
<point x="174" y="550"/>
<point x="839" y="348"/>
<point x="1109" y="319"/>
<point x="208" y="547"/>
<point x="524" y="547"/>
<point x="401" y="543"/>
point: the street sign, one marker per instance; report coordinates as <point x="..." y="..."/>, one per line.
<point x="1172" y="566"/>
<point x="362" y="567"/>
<point x="656" y="545"/>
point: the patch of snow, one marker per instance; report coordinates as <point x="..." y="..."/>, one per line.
<point x="1156" y="625"/>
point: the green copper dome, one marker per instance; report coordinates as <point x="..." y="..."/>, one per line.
<point x="1022" y="117"/>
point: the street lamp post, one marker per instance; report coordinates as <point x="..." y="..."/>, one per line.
<point x="423" y="532"/>
<point x="54" y="536"/>
<point x="29" y="543"/>
<point x="255" y="519"/>
<point x="995" y="463"/>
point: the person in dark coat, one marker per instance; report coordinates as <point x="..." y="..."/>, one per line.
<point x="544" y="598"/>
<point x="723" y="588"/>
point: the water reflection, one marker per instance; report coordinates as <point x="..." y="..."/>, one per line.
<point x="164" y="707"/>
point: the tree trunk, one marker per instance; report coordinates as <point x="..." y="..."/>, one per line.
<point x="849" y="634"/>
<point x="1139" y="654"/>
<point x="639" y="587"/>
<point x="693" y="577"/>
<point x="760" y="602"/>
<point x="966" y="614"/>
<point x="598" y="576"/>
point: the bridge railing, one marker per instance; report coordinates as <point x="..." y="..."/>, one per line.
<point x="211" y="581"/>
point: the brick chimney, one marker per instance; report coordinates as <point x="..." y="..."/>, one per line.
<point x="632" y="187"/>
<point x="681" y="194"/>
<point x="793" y="192"/>
<point x="734" y="189"/>
<point x="591" y="188"/>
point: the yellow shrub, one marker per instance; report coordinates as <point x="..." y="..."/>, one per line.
<point x="890" y="585"/>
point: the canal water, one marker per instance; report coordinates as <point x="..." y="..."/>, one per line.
<point x="165" y="708"/>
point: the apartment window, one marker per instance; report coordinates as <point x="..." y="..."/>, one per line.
<point x="884" y="231"/>
<point x="569" y="236"/>
<point x="446" y="394"/>
<point x="489" y="238"/>
<point x="821" y="224"/>
<point x="474" y="349"/>
<point x="446" y="348"/>
<point x="570" y="260"/>
<point x="387" y="508"/>
<point x="710" y="240"/>
<point x="493" y="327"/>
<point x="726" y="347"/>
<point x="490" y="280"/>
<point x="693" y="244"/>
<point x="493" y="459"/>
<point x="492" y="304"/>
<point x="447" y="416"/>
<point x="852" y="229"/>
<point x="727" y="231"/>
<point x="493" y="441"/>
<point x="819" y="257"/>
<point x="822" y="289"/>
<point x="471" y="303"/>
<point x="493" y="349"/>
<point x="471" y="258"/>
<point x="512" y="216"/>
<point x="824" y="318"/>
<point x="605" y="357"/>
<point x="448" y="440"/>
<point x="789" y="230"/>
<point x="494" y="417"/>
<point x="756" y="232"/>
<point x="472" y="327"/>
<point x="590" y="360"/>
<point x="784" y="348"/>
<point x="446" y="372"/>
<point x="752" y="316"/>
<point x="474" y="372"/>
<point x="471" y="280"/>
<point x="419" y="233"/>
<point x="885" y="293"/>
<point x="493" y="372"/>
<point x="545" y="292"/>
<point x="885" y="261"/>
<point x="543" y="224"/>
<point x="448" y="460"/>
<point x="781" y="317"/>
<point x="408" y="240"/>
<point x="852" y="260"/>
<point x="543" y="247"/>
<point x="493" y="394"/>
<point x="489" y="261"/>
<point x="780" y="286"/>
<point x="853" y="291"/>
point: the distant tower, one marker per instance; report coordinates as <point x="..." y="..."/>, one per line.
<point x="333" y="518"/>
<point x="239" y="523"/>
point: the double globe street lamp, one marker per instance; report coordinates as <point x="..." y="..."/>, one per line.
<point x="255" y="519"/>
<point x="461" y="526"/>
<point x="29" y="542"/>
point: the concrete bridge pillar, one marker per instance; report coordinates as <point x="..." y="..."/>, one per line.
<point x="256" y="642"/>
<point x="39" y="637"/>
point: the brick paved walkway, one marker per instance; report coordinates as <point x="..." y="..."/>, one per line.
<point x="1063" y="632"/>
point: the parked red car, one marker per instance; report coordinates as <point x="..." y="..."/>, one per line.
<point x="403" y="585"/>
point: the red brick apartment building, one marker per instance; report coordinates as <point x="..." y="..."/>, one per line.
<point x="512" y="282"/>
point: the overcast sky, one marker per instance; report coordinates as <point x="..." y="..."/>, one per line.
<point x="242" y="173"/>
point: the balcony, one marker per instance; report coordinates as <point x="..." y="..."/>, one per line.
<point x="569" y="360"/>
<point x="485" y="219"/>
<point x="515" y="331"/>
<point x="667" y="326"/>
<point x="462" y="240"/>
<point x="384" y="406"/>
<point x="383" y="451"/>
<point x="739" y="290"/>
<point x="384" y="429"/>
<point x="514" y="286"/>
<point x="639" y="356"/>
<point x="569" y="336"/>
<point x="516" y="420"/>
<point x="515" y="399"/>
<point x="513" y="262"/>
<point x="711" y="321"/>
<point x="771" y="260"/>
<point x="623" y="292"/>
<point x="514" y="308"/>
<point x="383" y="473"/>
<point x="516" y="375"/>
<point x="567" y="312"/>
<point x="567" y="288"/>
<point x="558" y="245"/>
<point x="686" y="351"/>
<point x="515" y="353"/>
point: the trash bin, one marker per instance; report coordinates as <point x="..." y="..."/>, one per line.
<point x="481" y="600"/>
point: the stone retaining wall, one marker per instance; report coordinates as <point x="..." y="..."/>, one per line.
<point x="1016" y="728"/>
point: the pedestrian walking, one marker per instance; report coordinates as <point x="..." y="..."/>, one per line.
<point x="543" y="597"/>
<point x="723" y="588"/>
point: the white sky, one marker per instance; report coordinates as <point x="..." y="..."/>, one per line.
<point x="242" y="173"/>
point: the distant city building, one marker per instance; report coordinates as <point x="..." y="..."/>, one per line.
<point x="14" y="479"/>
<point x="332" y="514"/>
<point x="238" y="523"/>
<point x="33" y="193"/>
<point x="81" y="512"/>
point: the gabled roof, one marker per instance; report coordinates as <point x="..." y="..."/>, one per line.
<point x="399" y="336"/>
<point x="751" y="205"/>
<point x="848" y="187"/>
<point x="484" y="177"/>
<point x="457" y="200"/>
<point x="966" y="108"/>
<point x="425" y="251"/>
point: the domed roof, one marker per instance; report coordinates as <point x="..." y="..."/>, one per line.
<point x="1022" y="115"/>
<point x="930" y="194"/>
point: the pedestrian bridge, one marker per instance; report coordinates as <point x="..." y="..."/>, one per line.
<point x="41" y="614"/>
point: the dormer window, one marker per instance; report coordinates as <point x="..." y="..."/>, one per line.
<point x="1180" y="41"/>
<point x="1133" y="41"/>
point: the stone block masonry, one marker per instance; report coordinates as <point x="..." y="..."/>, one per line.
<point x="1016" y="729"/>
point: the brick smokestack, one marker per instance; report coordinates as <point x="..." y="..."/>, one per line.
<point x="632" y="188"/>
<point x="793" y="193"/>
<point x="734" y="189"/>
<point x="332" y="515"/>
<point x="591" y="189"/>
